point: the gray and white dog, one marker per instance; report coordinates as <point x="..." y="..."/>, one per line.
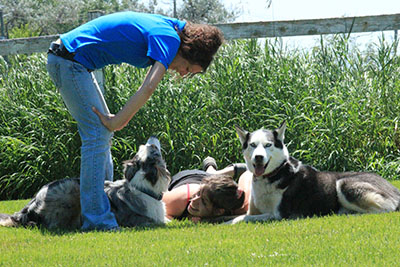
<point x="135" y="200"/>
<point x="284" y="188"/>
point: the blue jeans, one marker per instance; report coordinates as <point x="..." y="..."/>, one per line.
<point x="80" y="92"/>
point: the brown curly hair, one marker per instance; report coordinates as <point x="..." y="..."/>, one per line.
<point x="199" y="43"/>
<point x="222" y="192"/>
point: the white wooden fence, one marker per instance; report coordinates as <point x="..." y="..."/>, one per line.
<point x="311" y="26"/>
<point x="260" y="29"/>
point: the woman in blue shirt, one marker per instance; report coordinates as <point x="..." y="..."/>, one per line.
<point x="138" y="39"/>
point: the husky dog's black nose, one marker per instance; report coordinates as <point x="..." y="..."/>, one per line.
<point x="259" y="159"/>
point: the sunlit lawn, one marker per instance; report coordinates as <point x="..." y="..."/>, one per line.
<point x="363" y="240"/>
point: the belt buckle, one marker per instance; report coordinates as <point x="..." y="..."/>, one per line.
<point x="53" y="47"/>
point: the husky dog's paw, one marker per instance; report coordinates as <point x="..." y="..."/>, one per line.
<point x="237" y="219"/>
<point x="166" y="220"/>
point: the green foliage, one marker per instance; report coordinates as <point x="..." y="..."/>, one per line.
<point x="38" y="138"/>
<point x="22" y="32"/>
<point x="55" y="17"/>
<point x="363" y="240"/>
<point x="43" y="17"/>
<point x="205" y="11"/>
<point x="341" y="106"/>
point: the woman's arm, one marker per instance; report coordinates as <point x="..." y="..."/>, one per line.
<point x="245" y="182"/>
<point x="177" y="199"/>
<point x="135" y="102"/>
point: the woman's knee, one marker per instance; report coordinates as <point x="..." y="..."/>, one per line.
<point x="96" y="135"/>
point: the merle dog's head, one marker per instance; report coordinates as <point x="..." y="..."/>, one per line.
<point x="263" y="150"/>
<point x="147" y="170"/>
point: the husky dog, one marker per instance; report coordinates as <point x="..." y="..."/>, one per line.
<point x="135" y="200"/>
<point x="284" y="188"/>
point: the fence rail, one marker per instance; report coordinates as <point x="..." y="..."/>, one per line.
<point x="260" y="29"/>
<point x="311" y="26"/>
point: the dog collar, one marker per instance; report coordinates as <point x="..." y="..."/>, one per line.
<point x="150" y="193"/>
<point x="275" y="172"/>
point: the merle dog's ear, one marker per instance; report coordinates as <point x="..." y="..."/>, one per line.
<point x="281" y="131"/>
<point x="243" y="134"/>
<point x="151" y="171"/>
<point x="131" y="167"/>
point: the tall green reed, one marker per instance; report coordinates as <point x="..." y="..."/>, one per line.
<point x="341" y="106"/>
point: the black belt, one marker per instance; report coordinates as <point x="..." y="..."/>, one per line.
<point x="60" y="51"/>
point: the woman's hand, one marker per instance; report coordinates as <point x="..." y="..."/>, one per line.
<point x="106" y="120"/>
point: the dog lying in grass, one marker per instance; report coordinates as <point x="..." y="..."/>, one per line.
<point x="284" y="188"/>
<point x="135" y="200"/>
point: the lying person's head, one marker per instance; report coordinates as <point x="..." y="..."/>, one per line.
<point x="218" y="195"/>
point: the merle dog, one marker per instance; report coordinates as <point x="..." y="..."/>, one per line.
<point x="135" y="200"/>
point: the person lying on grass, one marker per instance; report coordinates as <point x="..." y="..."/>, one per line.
<point x="209" y="193"/>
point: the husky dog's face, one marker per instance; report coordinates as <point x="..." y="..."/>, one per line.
<point x="263" y="150"/>
<point x="147" y="169"/>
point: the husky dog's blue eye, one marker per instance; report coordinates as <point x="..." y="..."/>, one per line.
<point x="268" y="145"/>
<point x="253" y="145"/>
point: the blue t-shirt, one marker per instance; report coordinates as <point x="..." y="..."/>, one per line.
<point x="135" y="38"/>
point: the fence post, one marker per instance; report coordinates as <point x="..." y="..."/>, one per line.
<point x="99" y="74"/>
<point x="2" y="34"/>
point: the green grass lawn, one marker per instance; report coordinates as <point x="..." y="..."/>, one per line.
<point x="362" y="240"/>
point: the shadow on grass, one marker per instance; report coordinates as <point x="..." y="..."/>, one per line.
<point x="175" y="224"/>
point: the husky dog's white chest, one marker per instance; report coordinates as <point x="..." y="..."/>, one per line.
<point x="266" y="196"/>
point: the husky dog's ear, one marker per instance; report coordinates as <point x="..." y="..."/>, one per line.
<point x="281" y="131"/>
<point x="243" y="135"/>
